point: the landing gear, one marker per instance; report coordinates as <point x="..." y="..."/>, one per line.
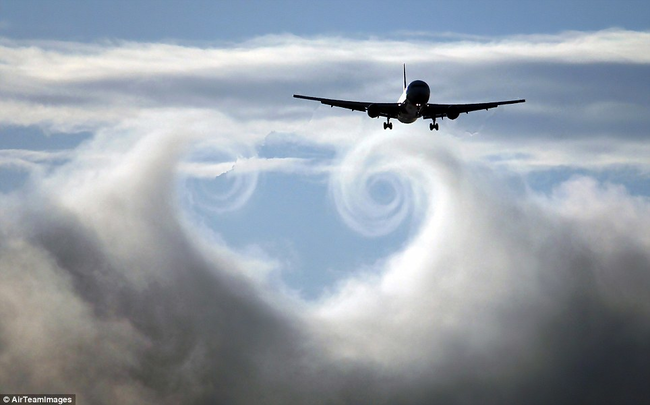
<point x="433" y="126"/>
<point x="388" y="124"/>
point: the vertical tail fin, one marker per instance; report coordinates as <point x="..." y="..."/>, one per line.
<point x="405" y="76"/>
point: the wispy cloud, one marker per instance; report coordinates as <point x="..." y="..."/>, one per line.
<point x="578" y="85"/>
<point x="27" y="159"/>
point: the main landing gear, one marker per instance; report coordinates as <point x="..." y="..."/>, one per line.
<point x="433" y="126"/>
<point x="388" y="124"/>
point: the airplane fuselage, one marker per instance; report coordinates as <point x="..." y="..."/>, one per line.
<point x="413" y="99"/>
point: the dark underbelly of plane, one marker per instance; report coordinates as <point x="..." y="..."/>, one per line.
<point x="408" y="113"/>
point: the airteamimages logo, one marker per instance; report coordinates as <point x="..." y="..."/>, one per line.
<point x="58" y="399"/>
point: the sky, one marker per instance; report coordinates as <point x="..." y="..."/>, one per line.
<point x="175" y="227"/>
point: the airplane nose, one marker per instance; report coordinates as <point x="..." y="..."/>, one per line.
<point x="418" y="92"/>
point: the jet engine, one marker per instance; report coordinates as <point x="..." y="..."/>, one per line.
<point x="452" y="113"/>
<point x="373" y="111"/>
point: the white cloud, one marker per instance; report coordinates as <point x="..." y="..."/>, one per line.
<point x="247" y="165"/>
<point x="577" y="84"/>
<point x="28" y="159"/>
<point x="502" y="295"/>
<point x="499" y="292"/>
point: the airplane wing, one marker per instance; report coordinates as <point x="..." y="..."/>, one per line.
<point x="453" y="110"/>
<point x="384" y="109"/>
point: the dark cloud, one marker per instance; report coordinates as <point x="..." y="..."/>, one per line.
<point x="115" y="301"/>
<point x="109" y="295"/>
<point x="502" y="296"/>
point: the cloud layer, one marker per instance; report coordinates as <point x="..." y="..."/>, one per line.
<point x="502" y="296"/>
<point x="582" y="89"/>
<point x="109" y="287"/>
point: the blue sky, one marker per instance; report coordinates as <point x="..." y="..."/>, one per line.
<point x="165" y="194"/>
<point x="203" y="20"/>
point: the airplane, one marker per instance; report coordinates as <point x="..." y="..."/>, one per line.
<point x="413" y="104"/>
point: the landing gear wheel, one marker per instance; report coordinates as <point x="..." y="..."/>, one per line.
<point x="388" y="125"/>
<point x="433" y="126"/>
